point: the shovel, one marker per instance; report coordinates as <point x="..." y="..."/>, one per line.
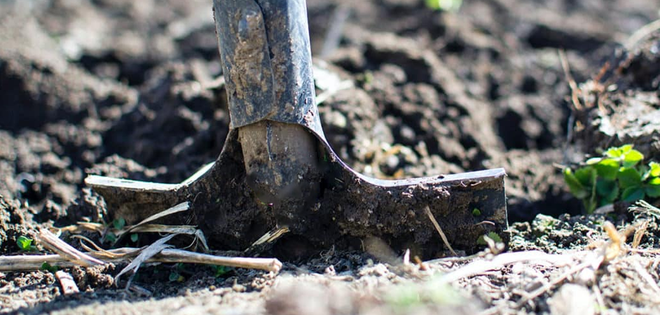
<point x="277" y="173"/>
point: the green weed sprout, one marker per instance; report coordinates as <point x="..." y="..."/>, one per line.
<point x="618" y="175"/>
<point x="25" y="244"/>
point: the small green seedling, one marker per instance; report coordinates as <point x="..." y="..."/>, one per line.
<point x="492" y="235"/>
<point x="476" y="212"/>
<point x="119" y="223"/>
<point x="110" y="238"/>
<point x="25" y="244"/>
<point x="618" y="175"/>
<point x="175" y="274"/>
<point x="134" y="237"/>
<point x="220" y="271"/>
<point x="48" y="267"/>
<point x="176" y="277"/>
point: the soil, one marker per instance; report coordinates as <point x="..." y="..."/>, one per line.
<point x="129" y="89"/>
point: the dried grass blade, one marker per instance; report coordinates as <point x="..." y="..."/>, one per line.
<point x="437" y="228"/>
<point x="96" y="251"/>
<point x="144" y="255"/>
<point x="162" y="228"/>
<point x="639" y="233"/>
<point x="202" y="239"/>
<point x="184" y="206"/>
<point x="54" y="243"/>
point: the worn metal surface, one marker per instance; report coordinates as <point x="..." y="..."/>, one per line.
<point x="264" y="46"/>
<point x="350" y="207"/>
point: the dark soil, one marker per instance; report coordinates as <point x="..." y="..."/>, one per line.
<point x="129" y="89"/>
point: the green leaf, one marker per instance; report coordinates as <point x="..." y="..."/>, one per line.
<point x="607" y="168"/>
<point x="444" y="5"/>
<point x="134" y="237"/>
<point x="629" y="177"/>
<point x="492" y="235"/>
<point x="24" y="243"/>
<point x="586" y="176"/>
<point x="652" y="191"/>
<point x="495" y="237"/>
<point x="633" y="193"/>
<point x="119" y="223"/>
<point x="574" y="185"/>
<point x="594" y="160"/>
<point x="655" y="169"/>
<point x="608" y="190"/>
<point x="221" y="270"/>
<point x="632" y="157"/>
<point x="176" y="277"/>
<point x="48" y="267"/>
<point x="110" y="237"/>
<point x="476" y="212"/>
<point x="618" y="152"/>
<point x="654" y="181"/>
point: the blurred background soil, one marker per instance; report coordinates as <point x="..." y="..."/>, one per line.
<point x="129" y="89"/>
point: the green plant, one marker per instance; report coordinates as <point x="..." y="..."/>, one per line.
<point x="175" y="273"/>
<point x="220" y="271"/>
<point x="119" y="223"/>
<point x="617" y="175"/>
<point x="444" y="5"/>
<point x="25" y="244"/>
<point x="48" y="267"/>
<point x="492" y="235"/>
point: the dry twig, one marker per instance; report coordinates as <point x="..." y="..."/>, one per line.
<point x="501" y="260"/>
<point x="144" y="255"/>
<point x="123" y="255"/>
<point x="55" y="244"/>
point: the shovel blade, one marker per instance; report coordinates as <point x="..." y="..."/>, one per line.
<point x="351" y="207"/>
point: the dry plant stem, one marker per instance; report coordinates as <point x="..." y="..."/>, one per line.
<point x="647" y="277"/>
<point x="33" y="262"/>
<point x="437" y="228"/>
<point x="146" y="253"/>
<point x="641" y="33"/>
<point x="176" y="209"/>
<point x="178" y="255"/>
<point x="571" y="82"/>
<point x="639" y="233"/>
<point x="122" y="255"/>
<point x="271" y="236"/>
<point x="499" y="261"/>
<point x="54" y="243"/>
<point x="536" y="293"/>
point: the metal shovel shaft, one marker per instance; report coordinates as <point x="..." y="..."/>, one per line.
<point x="264" y="46"/>
<point x="266" y="56"/>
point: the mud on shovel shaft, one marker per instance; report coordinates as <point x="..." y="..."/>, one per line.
<point x="266" y="56"/>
